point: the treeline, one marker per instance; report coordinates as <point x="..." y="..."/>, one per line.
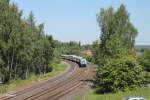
<point x="24" y="47"/>
<point x="68" y="48"/>
<point x="119" y="69"/>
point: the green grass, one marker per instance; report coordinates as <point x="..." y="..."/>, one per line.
<point x="91" y="95"/>
<point x="57" y="69"/>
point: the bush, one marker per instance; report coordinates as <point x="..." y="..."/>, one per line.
<point x="119" y="74"/>
<point x="144" y="60"/>
<point x="89" y="58"/>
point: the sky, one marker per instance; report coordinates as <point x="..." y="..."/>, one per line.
<point x="75" y="20"/>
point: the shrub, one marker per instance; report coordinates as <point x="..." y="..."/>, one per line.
<point x="119" y="74"/>
<point x="144" y="60"/>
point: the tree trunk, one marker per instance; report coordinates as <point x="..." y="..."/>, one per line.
<point x="16" y="69"/>
<point x="27" y="72"/>
<point x="6" y="76"/>
<point x="11" y="64"/>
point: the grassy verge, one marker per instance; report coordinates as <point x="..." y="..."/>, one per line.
<point x="57" y="69"/>
<point x="91" y="95"/>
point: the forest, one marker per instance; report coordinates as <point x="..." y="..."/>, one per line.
<point x="24" y="46"/>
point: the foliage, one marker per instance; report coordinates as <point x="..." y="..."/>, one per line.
<point x="86" y="47"/>
<point x="118" y="22"/>
<point x="144" y="60"/>
<point x="24" y="47"/>
<point x="70" y="48"/>
<point x="113" y="49"/>
<point x="120" y="74"/>
<point x="96" y="52"/>
<point x="115" y="24"/>
<point x="118" y="70"/>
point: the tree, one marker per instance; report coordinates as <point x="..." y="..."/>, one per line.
<point x="115" y="24"/>
<point x="24" y="47"/>
<point x="96" y="53"/>
<point x="119" y="74"/>
<point x="118" y="69"/>
<point x="118" y="22"/>
<point x="125" y="28"/>
<point x="144" y="60"/>
<point x="71" y="47"/>
<point x="31" y="20"/>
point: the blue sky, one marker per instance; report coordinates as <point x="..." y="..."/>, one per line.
<point x="75" y="20"/>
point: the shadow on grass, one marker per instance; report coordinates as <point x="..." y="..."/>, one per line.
<point x="92" y="84"/>
<point x="99" y="90"/>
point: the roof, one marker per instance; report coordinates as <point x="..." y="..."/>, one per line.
<point x="87" y="52"/>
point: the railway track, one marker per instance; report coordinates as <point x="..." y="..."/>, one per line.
<point x="39" y="85"/>
<point x="70" y="88"/>
<point x="54" y="91"/>
<point x="55" y="88"/>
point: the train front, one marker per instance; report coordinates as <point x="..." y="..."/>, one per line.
<point x="83" y="62"/>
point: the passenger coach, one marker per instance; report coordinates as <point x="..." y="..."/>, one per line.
<point x="80" y="60"/>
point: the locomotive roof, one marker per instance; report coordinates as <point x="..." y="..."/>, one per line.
<point x="75" y="56"/>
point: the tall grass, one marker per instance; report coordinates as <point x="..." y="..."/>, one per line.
<point x="91" y="95"/>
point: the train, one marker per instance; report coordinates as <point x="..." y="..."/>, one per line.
<point x="80" y="60"/>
